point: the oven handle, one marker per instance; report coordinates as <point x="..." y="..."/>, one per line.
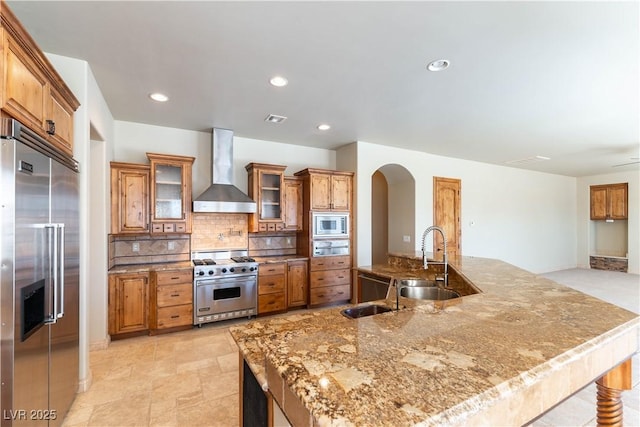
<point x="226" y="281"/>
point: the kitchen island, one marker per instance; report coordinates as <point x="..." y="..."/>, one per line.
<point x="498" y="357"/>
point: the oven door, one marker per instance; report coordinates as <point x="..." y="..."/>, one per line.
<point x="223" y="295"/>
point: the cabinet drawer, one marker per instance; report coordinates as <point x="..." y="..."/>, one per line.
<point x="330" y="278"/>
<point x="178" y="315"/>
<point x="157" y="228"/>
<point x="169" y="295"/>
<point x="330" y="262"/>
<point x="270" y="284"/>
<point x="174" y="277"/>
<point x="181" y="228"/>
<point x="330" y="294"/>
<point x="271" y="269"/>
<point x="271" y="302"/>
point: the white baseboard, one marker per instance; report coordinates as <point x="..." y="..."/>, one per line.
<point x="85" y="384"/>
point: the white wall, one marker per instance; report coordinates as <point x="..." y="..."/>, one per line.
<point x="136" y="139"/>
<point x="92" y="121"/>
<point x="585" y="229"/>
<point x="525" y="218"/>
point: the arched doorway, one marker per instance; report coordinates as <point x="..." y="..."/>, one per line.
<point x="392" y="212"/>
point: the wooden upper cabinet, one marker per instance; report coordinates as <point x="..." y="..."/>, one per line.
<point x="609" y="201"/>
<point x="32" y="91"/>
<point x="292" y="203"/>
<point x="266" y="187"/>
<point x="328" y="190"/>
<point x="129" y="198"/>
<point x="170" y="198"/>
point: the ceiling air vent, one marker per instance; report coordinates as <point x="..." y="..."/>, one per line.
<point x="527" y="160"/>
<point x="272" y="118"/>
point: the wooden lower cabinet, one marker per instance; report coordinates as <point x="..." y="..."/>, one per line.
<point x="272" y="292"/>
<point x="171" y="300"/>
<point x="329" y="279"/>
<point x="297" y="272"/>
<point x="128" y="304"/>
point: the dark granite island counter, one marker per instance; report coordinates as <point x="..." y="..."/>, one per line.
<point x="499" y="357"/>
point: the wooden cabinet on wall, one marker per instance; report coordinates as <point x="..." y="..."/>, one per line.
<point x="272" y="290"/>
<point x="327" y="190"/>
<point x="170" y="193"/>
<point x="129" y="198"/>
<point x="297" y="273"/>
<point x="329" y="279"/>
<point x="292" y="203"/>
<point x="609" y="201"/>
<point x="266" y="187"/>
<point x="171" y="306"/>
<point x="32" y="91"/>
<point x="128" y="304"/>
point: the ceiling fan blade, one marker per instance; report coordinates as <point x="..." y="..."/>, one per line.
<point x="625" y="164"/>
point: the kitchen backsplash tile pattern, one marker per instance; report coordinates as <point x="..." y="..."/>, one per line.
<point x="212" y="231"/>
<point x="272" y="245"/>
<point x="147" y="249"/>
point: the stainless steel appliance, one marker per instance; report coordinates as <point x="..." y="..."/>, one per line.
<point x="330" y="225"/>
<point x="39" y="277"/>
<point x="225" y="286"/>
<point x="222" y="195"/>
<point x="330" y="247"/>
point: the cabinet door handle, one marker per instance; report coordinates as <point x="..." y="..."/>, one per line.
<point x="51" y="127"/>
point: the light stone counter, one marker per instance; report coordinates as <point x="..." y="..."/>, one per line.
<point x="499" y="357"/>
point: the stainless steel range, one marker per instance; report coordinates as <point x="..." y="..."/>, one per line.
<point x="225" y="286"/>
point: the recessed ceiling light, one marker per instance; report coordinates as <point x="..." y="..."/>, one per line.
<point x="324" y="126"/>
<point x="160" y="97"/>
<point x="278" y="81"/>
<point x="272" y="118"/>
<point x="438" y="65"/>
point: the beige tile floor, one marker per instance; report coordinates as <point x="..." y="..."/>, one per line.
<point x="190" y="378"/>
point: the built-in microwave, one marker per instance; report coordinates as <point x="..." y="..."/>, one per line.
<point x="330" y="225"/>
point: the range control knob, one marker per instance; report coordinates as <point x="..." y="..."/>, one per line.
<point x="252" y="268"/>
<point x="210" y="272"/>
<point x="200" y="273"/>
<point x="224" y="270"/>
<point x="244" y="269"/>
<point x="231" y="270"/>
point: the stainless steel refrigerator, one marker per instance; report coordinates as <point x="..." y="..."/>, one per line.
<point x="39" y="277"/>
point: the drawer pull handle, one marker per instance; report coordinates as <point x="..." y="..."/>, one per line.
<point x="320" y="279"/>
<point x="341" y="262"/>
<point x="175" y="278"/>
<point x="340" y="277"/>
<point x="175" y="316"/>
<point x="175" y="295"/>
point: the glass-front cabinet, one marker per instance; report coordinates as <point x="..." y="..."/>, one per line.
<point x="266" y="187"/>
<point x="170" y="193"/>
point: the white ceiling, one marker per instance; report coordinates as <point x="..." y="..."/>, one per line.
<point x="556" y="79"/>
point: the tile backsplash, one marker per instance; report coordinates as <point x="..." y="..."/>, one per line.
<point x="146" y="249"/>
<point x="212" y="231"/>
<point x="272" y="244"/>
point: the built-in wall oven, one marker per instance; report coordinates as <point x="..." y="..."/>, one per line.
<point x="225" y="286"/>
<point x="330" y="247"/>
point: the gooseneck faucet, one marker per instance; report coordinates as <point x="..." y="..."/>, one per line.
<point x="425" y="262"/>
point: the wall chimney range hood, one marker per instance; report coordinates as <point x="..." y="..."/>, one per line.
<point x="222" y="196"/>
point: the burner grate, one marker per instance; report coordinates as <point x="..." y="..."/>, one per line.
<point x="242" y="259"/>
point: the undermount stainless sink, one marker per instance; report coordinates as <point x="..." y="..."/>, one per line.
<point x="417" y="282"/>
<point x="362" y="311"/>
<point x="432" y="293"/>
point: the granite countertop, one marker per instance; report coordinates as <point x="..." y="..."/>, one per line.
<point x="501" y="356"/>
<point x="145" y="268"/>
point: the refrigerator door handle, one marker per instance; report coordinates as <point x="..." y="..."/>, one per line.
<point x="60" y="281"/>
<point x="52" y="252"/>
